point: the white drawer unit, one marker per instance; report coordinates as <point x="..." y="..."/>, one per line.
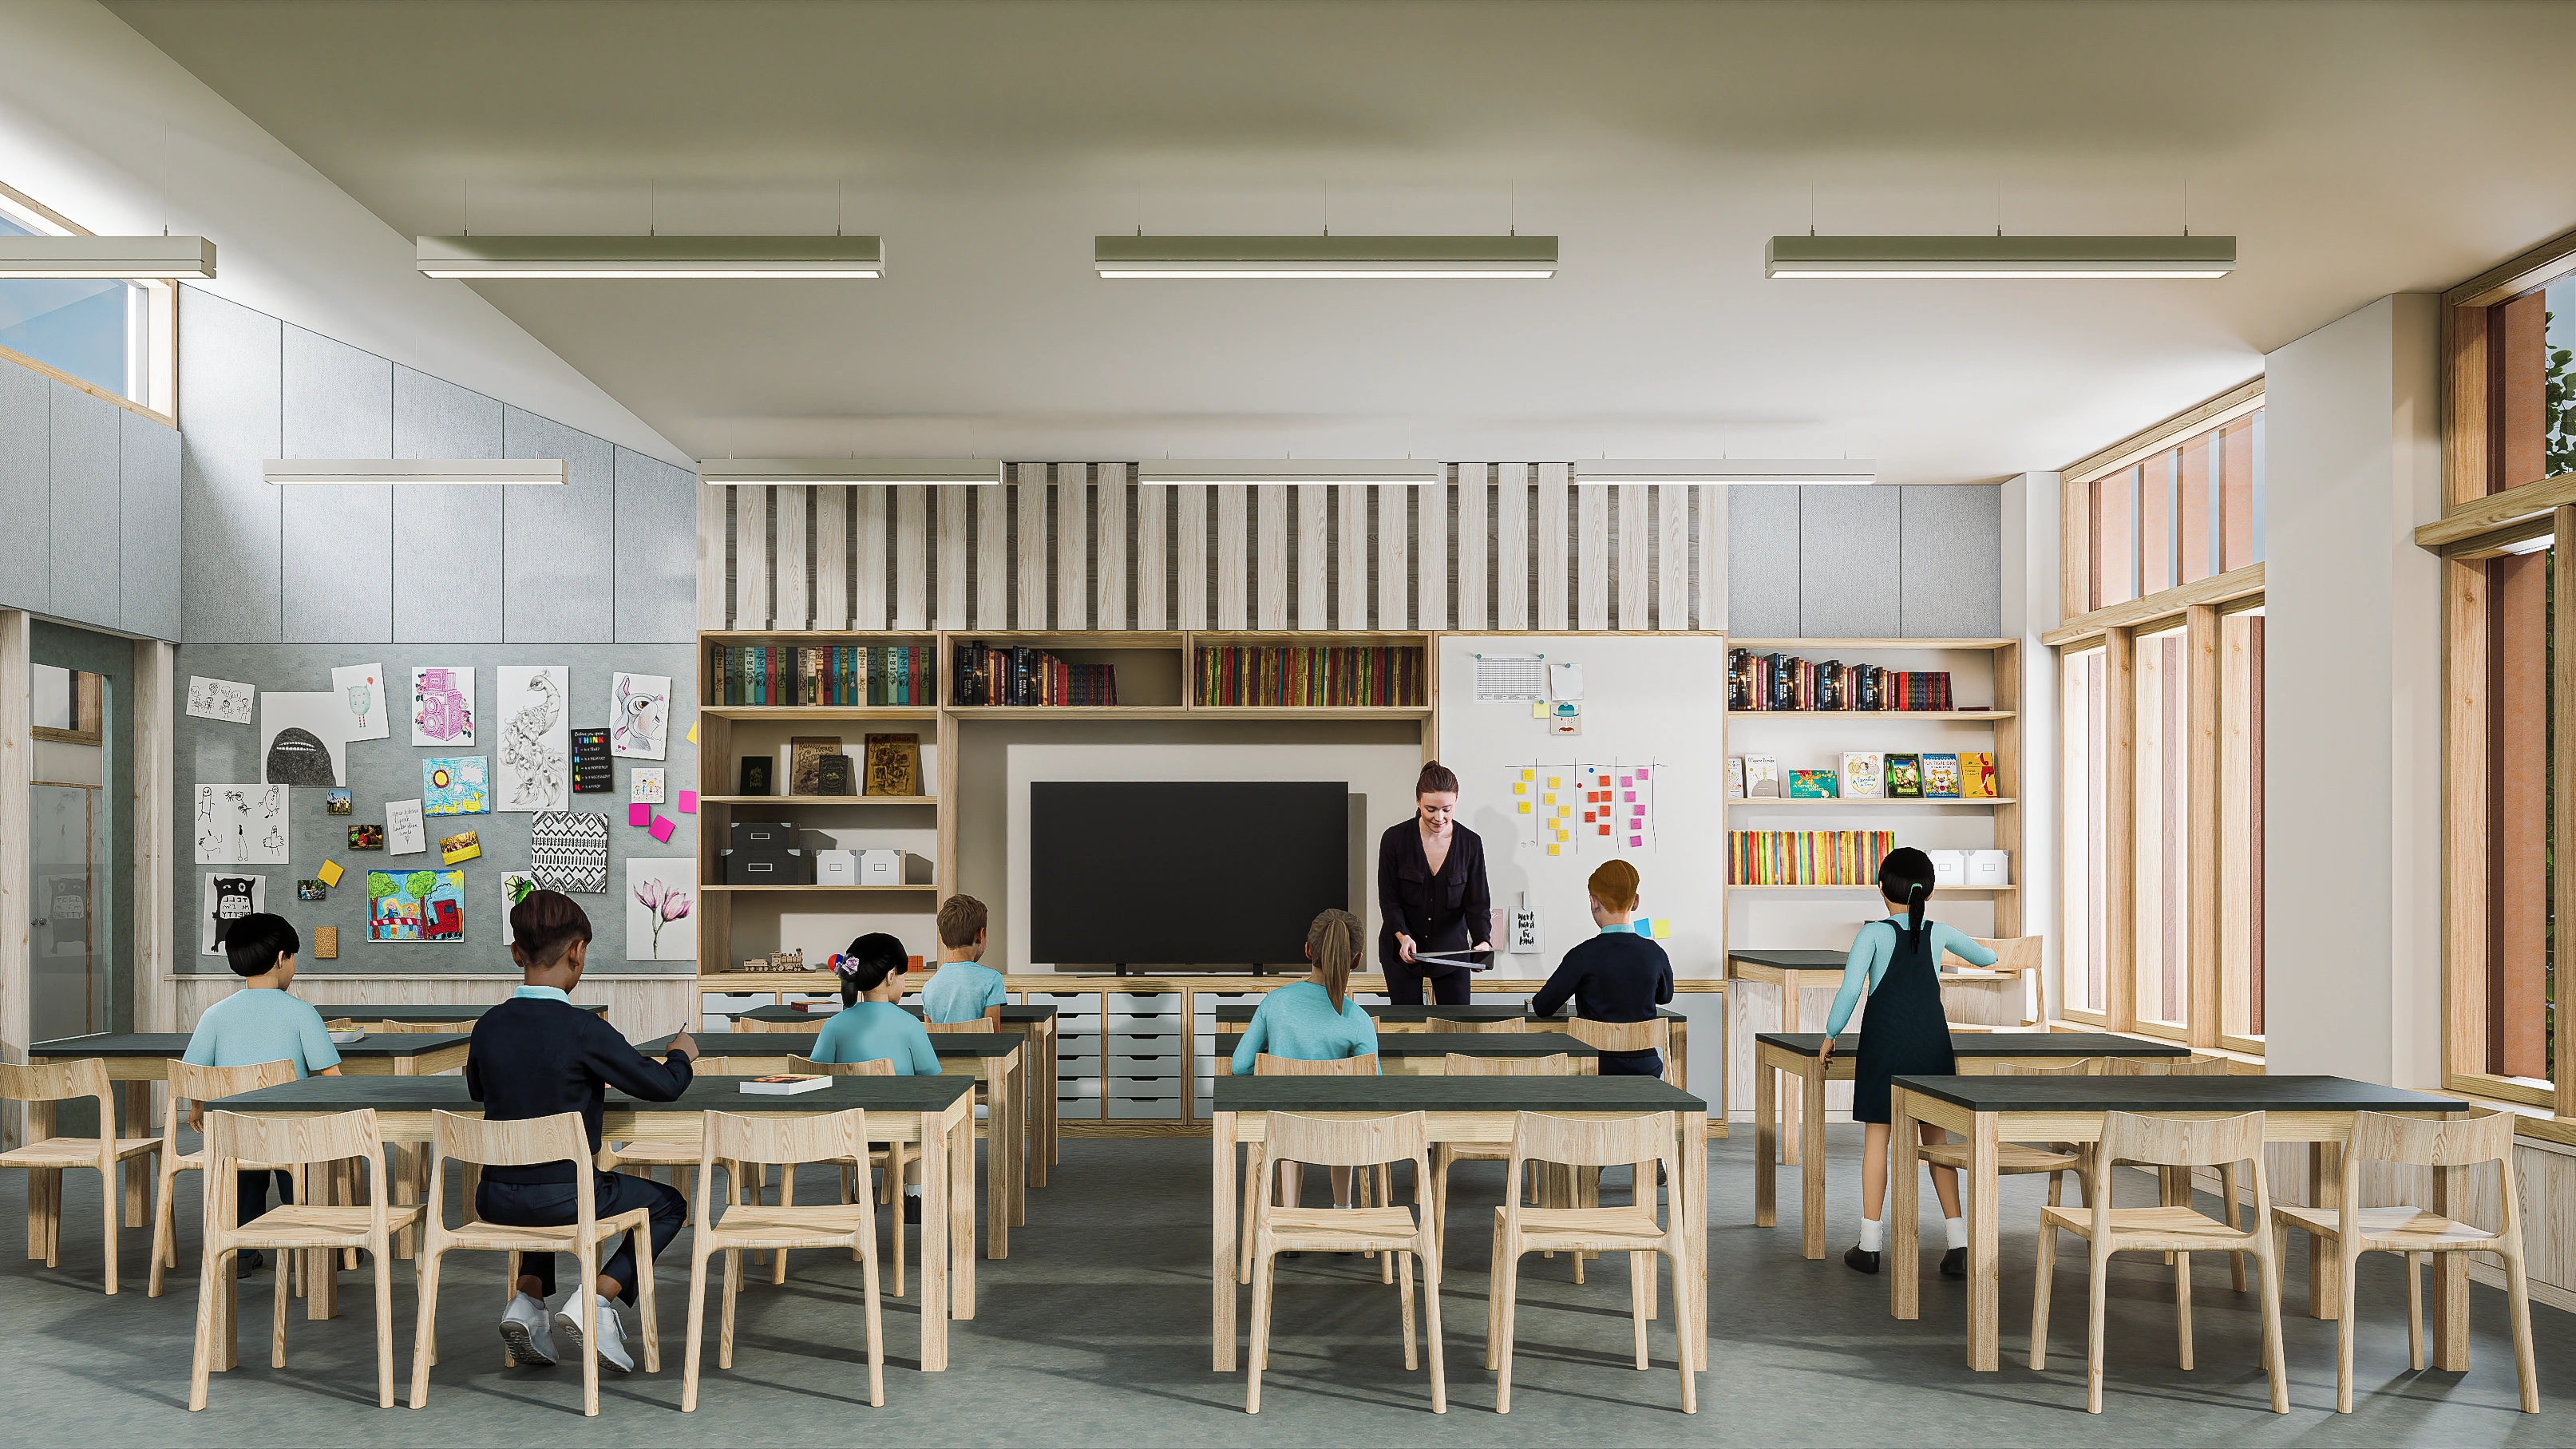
<point x="1203" y="1004"/>
<point x="1070" y="1006"/>
<point x="1146" y="1108"/>
<point x="1145" y="1001"/>
<point x="1087" y="1049"/>
<point x="1069" y="1089"/>
<point x="1128" y="1067"/>
<point x="1144" y="1041"/>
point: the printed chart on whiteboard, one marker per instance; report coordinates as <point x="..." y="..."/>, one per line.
<point x="1511" y="678"/>
<point x="1572" y="809"/>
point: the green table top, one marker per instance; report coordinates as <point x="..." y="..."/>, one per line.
<point x="1465" y="1043"/>
<point x="1451" y="1094"/>
<point x="2176" y="1094"/>
<point x="718" y="1094"/>
<point x="1408" y="1014"/>
<point x="799" y="1044"/>
<point x="824" y="1013"/>
<point x="2068" y="1044"/>
<point x="1793" y="960"/>
<point x="421" y="1015"/>
<point x="175" y="1044"/>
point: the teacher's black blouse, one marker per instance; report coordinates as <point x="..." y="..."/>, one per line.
<point x="1450" y="911"/>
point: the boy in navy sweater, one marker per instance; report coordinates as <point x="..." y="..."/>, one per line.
<point x="1617" y="975"/>
<point x="537" y="1055"/>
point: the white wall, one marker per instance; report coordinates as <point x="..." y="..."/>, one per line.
<point x="2352" y="719"/>
<point x="2030" y="570"/>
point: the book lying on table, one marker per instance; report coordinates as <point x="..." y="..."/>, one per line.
<point x="785" y="1086"/>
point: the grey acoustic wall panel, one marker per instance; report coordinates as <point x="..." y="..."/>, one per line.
<point x="446" y="539"/>
<point x="559" y="545"/>
<point x="1847" y="562"/>
<point x="147" y="526"/>
<point x="657" y="583"/>
<point x="84" y="507"/>
<point x="1950" y="550"/>
<point x="229" y="364"/>
<point x="336" y="402"/>
<point x="1762" y="560"/>
<point x="26" y="466"/>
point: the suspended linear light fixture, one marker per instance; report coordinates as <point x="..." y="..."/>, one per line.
<point x="482" y="258"/>
<point x="2000" y="256"/>
<point x="932" y="471"/>
<point x="1161" y="472"/>
<point x="110" y="258"/>
<point x="414" y="470"/>
<point x="1386" y="257"/>
<point x="1726" y="470"/>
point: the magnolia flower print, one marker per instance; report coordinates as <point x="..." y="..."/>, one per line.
<point x="666" y="903"/>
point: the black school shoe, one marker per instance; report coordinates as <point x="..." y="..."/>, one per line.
<point x="1860" y="1260"/>
<point x="245" y="1264"/>
<point x="911" y="1208"/>
<point x="1954" y="1263"/>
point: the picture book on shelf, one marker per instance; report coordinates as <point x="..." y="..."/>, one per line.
<point x="1761" y="776"/>
<point x="1977" y="776"/>
<point x="1861" y="778"/>
<point x="1811" y="784"/>
<point x="1905" y="777"/>
<point x="1940" y="777"/>
<point x="1735" y="777"/>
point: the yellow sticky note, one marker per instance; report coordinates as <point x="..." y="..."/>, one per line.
<point x="1538" y="709"/>
<point x="693" y="732"/>
<point x="1529" y="774"/>
<point x="1553" y="781"/>
<point x="1525" y="807"/>
<point x="329" y="874"/>
<point x="1551" y="850"/>
<point x="1518" y="789"/>
<point x="1564" y="812"/>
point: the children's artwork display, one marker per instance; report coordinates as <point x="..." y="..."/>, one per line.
<point x="568" y="851"/>
<point x="647" y="787"/>
<point x="312" y="890"/>
<point x="442" y="706"/>
<point x="515" y="886"/>
<point x="459" y="848"/>
<point x="366" y="837"/>
<point x="453" y="785"/>
<point x="416" y="905"/>
<point x="593" y="769"/>
<point x="404" y="833"/>
<point x="222" y="699"/>
<point x="536" y="743"/>
<point x="302" y="739"/>
<point x="241" y="824"/>
<point x="639" y="715"/>
<point x="335" y="802"/>
<point x="361" y="690"/>
<point x="228" y="898"/>
<point x="660" y="898"/>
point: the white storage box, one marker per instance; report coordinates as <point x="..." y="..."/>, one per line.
<point x="1949" y="867"/>
<point x="836" y="867"/>
<point x="1989" y="867"/>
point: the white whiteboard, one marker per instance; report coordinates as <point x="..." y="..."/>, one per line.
<point x="1657" y="700"/>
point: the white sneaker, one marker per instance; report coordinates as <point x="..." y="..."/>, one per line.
<point x="525" y="1331"/>
<point x="612" y="1335"/>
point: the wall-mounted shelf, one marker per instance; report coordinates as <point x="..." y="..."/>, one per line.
<point x="1959" y="890"/>
<point x="1871" y="714"/>
<point x="1768" y="645"/>
<point x="829" y="890"/>
<point x="818" y="799"/>
<point x="1803" y="801"/>
<point x="853" y="712"/>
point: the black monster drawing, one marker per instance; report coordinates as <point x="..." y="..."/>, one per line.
<point x="298" y="757"/>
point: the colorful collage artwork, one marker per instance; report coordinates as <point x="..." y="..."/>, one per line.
<point x="417" y="905"/>
<point x="454" y="785"/>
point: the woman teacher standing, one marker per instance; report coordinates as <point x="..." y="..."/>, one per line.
<point x="1431" y="894"/>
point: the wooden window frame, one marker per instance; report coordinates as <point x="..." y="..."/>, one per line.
<point x="160" y="401"/>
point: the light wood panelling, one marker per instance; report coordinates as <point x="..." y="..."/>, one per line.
<point x="2119" y="830"/>
<point x="1029" y="599"/>
<point x="1511" y="547"/>
<point x="715" y="596"/>
<point x="1672" y="556"/>
<point x="2207" y="923"/>
<point x="2507" y="280"/>
<point x="953" y="504"/>
<point x="1592" y="562"/>
<point x="789" y="563"/>
<point x="156" y="860"/>
<point x="1351" y="554"/>
<point x="831" y="557"/>
<point x="868" y="557"/>
<point x="751" y="556"/>
<point x="17" y="762"/>
<point x="993" y="557"/>
<point x="1549" y="528"/>
<point x="1109" y="547"/>
<point x="2465" y="766"/>
<point x="1394" y="556"/>
<point x="1431" y="534"/>
<point x="2467" y="463"/>
<point x="1708" y="593"/>
<point x="1233" y="554"/>
<point x="1270" y="538"/>
<point x="2562" y="726"/>
<point x="1314" y="560"/>
<point x="1474" y="550"/>
<point x="1153" y="552"/>
<point x="2217" y="589"/>
<point x="1190" y="526"/>
<point x="912" y="557"/>
<point x="1072" y="546"/>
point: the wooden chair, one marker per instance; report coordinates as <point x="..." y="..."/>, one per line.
<point x="979" y="1024"/>
<point x="529" y="1142"/>
<point x="1627" y="1036"/>
<point x="893" y="1157"/>
<point x="788" y="1141"/>
<point x="1647" y="1143"/>
<point x="2179" y="1230"/>
<point x="47" y="1158"/>
<point x="1443" y="1154"/>
<point x="2414" y="1233"/>
<point x="1257" y="1155"/>
<point x="2013" y="1159"/>
<point x="233" y="1140"/>
<point x="190" y="1083"/>
<point x="411" y="1028"/>
<point x="2176" y="1183"/>
<point x="746" y="1026"/>
<point x="1390" y="1230"/>
<point x="1509" y="1025"/>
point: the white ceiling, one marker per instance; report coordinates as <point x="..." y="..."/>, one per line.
<point x="2355" y="149"/>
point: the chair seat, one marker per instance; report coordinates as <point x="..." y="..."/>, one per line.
<point x="2154" y="1229"/>
<point x="684" y="1154"/>
<point x="2010" y="1158"/>
<point x="826" y="1225"/>
<point x="1473" y="1151"/>
<point x="1342" y="1229"/>
<point x="1596" y="1229"/>
<point x="491" y="1237"/>
<point x="2395" y="1229"/>
<point x="74" y="1151"/>
<point x="299" y="1226"/>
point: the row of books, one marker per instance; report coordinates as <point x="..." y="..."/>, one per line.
<point x="1867" y="775"/>
<point x="1302" y="675"/>
<point x="843" y="674"/>
<point x="1019" y="675"/>
<point x="1785" y="682"/>
<point x="1806" y="857"/>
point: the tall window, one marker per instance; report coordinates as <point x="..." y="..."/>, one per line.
<point x="2189" y="509"/>
<point x="2161" y="835"/>
<point x="2522" y="771"/>
<point x="112" y="335"/>
<point x="2085" y="924"/>
<point x="2240" y="826"/>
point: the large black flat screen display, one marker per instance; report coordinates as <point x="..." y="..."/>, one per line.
<point x="1192" y="873"/>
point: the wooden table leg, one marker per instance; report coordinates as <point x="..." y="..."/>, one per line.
<point x="961" y="1216"/>
<point x="935" y="1257"/>
<point x="400" y="1158"/>
<point x="2450" y="1306"/>
<point x="1904" y="1236"/>
<point x="1044" y="1090"/>
<point x="1692" y="1318"/>
<point x="1221" y="1141"/>
<point x="1789" y="1139"/>
<point x="1021" y="1077"/>
<point x="1766" y="1144"/>
<point x="1811" y="1158"/>
<point x="2325" y="1190"/>
<point x="40" y="1125"/>
<point x="140" y="1171"/>
<point x="1985" y="1209"/>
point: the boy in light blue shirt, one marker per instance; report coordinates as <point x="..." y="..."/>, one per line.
<point x="261" y="1023"/>
<point x="963" y="989"/>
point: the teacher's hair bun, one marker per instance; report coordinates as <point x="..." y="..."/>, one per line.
<point x="1436" y="778"/>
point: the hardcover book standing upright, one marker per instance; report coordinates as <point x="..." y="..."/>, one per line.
<point x="1861" y="779"/>
<point x="1940" y="777"/>
<point x="1904" y="777"/>
<point x="1977" y="776"/>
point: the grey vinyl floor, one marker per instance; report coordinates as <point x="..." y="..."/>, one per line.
<point x="1095" y="1331"/>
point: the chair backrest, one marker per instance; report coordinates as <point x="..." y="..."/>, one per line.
<point x="56" y="1082"/>
<point x="2156" y="1141"/>
<point x="1555" y="1064"/>
<point x="873" y="1067"/>
<point x="1509" y="1024"/>
<point x="341" y="1023"/>
<point x="2483" y="1137"/>
<point x="2197" y="1066"/>
<point x="2080" y="1067"/>
<point x="1344" y="1141"/>
<point x="234" y="1137"/>
<point x="411" y="1028"/>
<point x="2014" y="953"/>
<point x="1363" y="1065"/>
<point x="945" y="1027"/>
<point x="529" y="1142"/>
<point x="1592" y="1141"/>
<point x="744" y="1066"/>
<point x="778" y="1028"/>
<point x="2136" y="1066"/>
<point x="815" y="1137"/>
<point x="1622" y="1036"/>
<point x="192" y="1083"/>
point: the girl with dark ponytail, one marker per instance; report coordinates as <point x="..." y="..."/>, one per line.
<point x="1897" y="962"/>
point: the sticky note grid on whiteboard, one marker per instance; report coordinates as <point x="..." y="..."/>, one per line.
<point x="1568" y="809"/>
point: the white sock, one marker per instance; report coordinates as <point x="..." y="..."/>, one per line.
<point x="1873" y="1235"/>
<point x="1955" y="1231"/>
<point x="912" y="1189"/>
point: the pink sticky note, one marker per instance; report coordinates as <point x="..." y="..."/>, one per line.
<point x="1636" y="842"/>
<point x="1630" y="795"/>
<point x="688" y="802"/>
<point x="639" y="814"/>
<point x="663" y="825"/>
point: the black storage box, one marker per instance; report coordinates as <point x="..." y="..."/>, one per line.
<point x="787" y="867"/>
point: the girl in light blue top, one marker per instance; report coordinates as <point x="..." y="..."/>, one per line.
<point x="1313" y="1020"/>
<point x="865" y="1030"/>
